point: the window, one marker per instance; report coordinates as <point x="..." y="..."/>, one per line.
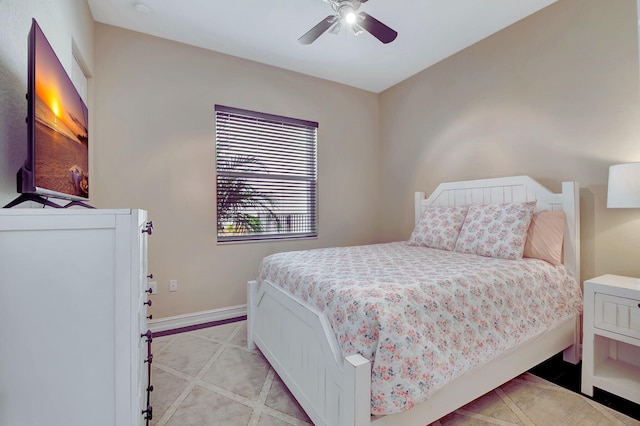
<point x="266" y="176"/>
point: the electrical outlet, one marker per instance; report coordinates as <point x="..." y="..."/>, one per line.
<point x="154" y="287"/>
<point x="173" y="285"/>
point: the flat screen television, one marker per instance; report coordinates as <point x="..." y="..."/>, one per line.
<point x="57" y="163"/>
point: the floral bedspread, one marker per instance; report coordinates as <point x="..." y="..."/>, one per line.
<point x="424" y="316"/>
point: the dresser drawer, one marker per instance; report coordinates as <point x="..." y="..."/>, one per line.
<point x="617" y="314"/>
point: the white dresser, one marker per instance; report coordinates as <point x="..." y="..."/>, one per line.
<point x="73" y="311"/>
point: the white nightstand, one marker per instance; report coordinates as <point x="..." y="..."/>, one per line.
<point x="611" y="342"/>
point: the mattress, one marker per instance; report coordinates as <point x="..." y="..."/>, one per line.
<point x="423" y="316"/>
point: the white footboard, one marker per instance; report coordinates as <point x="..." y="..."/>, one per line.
<point x="300" y="345"/>
<point x="298" y="342"/>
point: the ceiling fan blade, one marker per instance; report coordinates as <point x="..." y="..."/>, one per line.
<point x="377" y="28"/>
<point x="315" y="32"/>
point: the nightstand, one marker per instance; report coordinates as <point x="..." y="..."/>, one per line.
<point x="611" y="341"/>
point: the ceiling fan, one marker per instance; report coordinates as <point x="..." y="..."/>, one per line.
<point x="346" y="14"/>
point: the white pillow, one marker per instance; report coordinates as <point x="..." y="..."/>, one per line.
<point x="496" y="230"/>
<point x="438" y="227"/>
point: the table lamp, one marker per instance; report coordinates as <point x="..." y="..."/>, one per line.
<point x="624" y="186"/>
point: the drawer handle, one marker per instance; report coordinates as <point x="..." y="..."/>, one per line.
<point x="148" y="335"/>
<point x="149" y="359"/>
<point x="149" y="228"/>
<point x="148" y="302"/>
<point x="150" y="276"/>
<point x="148" y="413"/>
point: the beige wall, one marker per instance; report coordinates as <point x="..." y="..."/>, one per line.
<point x="63" y="23"/>
<point x="555" y="96"/>
<point x="155" y="146"/>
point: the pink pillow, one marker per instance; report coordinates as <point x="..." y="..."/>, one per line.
<point x="496" y="230"/>
<point x="545" y="237"/>
<point x="438" y="228"/>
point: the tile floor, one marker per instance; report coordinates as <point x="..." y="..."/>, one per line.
<point x="208" y="377"/>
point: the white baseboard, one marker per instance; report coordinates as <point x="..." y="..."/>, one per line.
<point x="196" y="318"/>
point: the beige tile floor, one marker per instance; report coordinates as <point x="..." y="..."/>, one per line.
<point x="209" y="377"/>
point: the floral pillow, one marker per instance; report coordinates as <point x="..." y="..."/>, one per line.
<point x="438" y="227"/>
<point x="496" y="230"/>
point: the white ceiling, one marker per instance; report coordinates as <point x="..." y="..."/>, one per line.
<point x="267" y="31"/>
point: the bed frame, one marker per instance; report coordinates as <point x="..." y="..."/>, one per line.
<point x="299" y="343"/>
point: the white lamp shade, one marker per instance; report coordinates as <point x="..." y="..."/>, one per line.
<point x="624" y="186"/>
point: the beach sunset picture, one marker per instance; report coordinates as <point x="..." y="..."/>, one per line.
<point x="61" y="135"/>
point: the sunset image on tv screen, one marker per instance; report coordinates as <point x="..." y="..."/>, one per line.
<point x="61" y="126"/>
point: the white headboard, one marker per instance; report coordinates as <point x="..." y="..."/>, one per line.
<point x="509" y="190"/>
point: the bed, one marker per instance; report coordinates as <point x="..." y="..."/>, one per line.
<point x="305" y="345"/>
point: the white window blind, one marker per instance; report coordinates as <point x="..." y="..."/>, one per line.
<point x="266" y="176"/>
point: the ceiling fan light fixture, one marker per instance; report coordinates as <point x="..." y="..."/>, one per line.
<point x="350" y="17"/>
<point x="357" y="29"/>
<point x="335" y="29"/>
